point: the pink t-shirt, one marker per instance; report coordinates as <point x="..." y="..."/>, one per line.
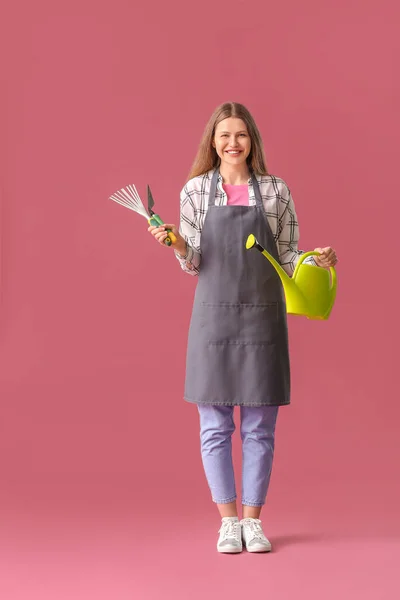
<point x="238" y="195"/>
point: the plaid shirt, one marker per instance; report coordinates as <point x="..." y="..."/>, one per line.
<point x="278" y="206"/>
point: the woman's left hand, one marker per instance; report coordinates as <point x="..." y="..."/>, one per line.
<point x="326" y="258"/>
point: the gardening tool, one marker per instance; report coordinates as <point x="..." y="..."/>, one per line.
<point x="311" y="290"/>
<point x="130" y="198"/>
<point x="156" y="220"/>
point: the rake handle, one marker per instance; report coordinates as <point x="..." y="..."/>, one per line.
<point x="156" y="221"/>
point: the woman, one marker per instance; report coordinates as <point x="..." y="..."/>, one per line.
<point x="238" y="345"/>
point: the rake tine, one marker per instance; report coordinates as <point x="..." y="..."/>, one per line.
<point x="135" y="194"/>
<point x="123" y="200"/>
<point x="129" y="198"/>
<point x="125" y="195"/>
<point x="121" y="203"/>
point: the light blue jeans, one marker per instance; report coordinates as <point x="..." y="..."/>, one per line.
<point x="257" y="431"/>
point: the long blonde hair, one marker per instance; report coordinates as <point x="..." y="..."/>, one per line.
<point x="207" y="157"/>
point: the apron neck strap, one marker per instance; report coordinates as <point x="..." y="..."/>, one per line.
<point x="213" y="189"/>
<point x="256" y="189"/>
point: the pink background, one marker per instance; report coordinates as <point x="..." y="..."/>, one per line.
<point x="102" y="489"/>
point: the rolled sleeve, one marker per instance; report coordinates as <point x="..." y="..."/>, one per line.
<point x="189" y="230"/>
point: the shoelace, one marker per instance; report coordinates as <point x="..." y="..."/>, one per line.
<point x="255" y="529"/>
<point x="231" y="529"/>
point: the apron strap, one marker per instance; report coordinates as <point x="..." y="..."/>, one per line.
<point x="213" y="189"/>
<point x="257" y="192"/>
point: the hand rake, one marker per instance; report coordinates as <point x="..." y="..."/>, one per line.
<point x="130" y="198"/>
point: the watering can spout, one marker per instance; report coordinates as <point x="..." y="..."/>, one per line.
<point x="253" y="243"/>
<point x="310" y="291"/>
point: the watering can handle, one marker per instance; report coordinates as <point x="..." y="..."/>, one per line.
<point x="306" y="255"/>
<point x="313" y="253"/>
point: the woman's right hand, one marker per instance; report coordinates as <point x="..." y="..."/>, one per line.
<point x="160" y="234"/>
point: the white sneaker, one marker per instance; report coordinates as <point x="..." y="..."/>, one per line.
<point x="253" y="536"/>
<point x="230" y="536"/>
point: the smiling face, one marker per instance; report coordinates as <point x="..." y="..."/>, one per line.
<point x="232" y="141"/>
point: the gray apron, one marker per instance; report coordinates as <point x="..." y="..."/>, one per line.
<point x="238" y="341"/>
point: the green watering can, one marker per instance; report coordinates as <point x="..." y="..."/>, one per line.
<point x="311" y="290"/>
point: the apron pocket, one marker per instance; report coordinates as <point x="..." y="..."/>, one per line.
<point x="226" y="323"/>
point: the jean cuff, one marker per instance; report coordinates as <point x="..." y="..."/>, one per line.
<point x="249" y="503"/>
<point x="225" y="501"/>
